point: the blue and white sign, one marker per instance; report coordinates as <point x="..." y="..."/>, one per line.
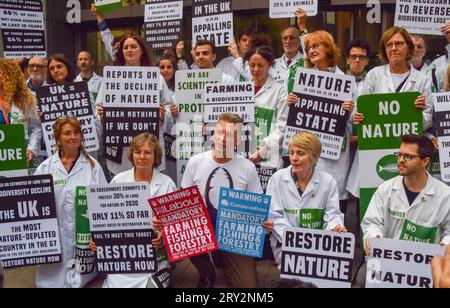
<point x="239" y="227"/>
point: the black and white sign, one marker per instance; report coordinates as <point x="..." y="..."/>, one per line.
<point x="29" y="233"/>
<point x="422" y="17"/>
<point x="319" y="109"/>
<point x="73" y="100"/>
<point x="213" y="21"/>
<point x="121" y="225"/>
<point x="163" y="23"/>
<point x="287" y="8"/>
<point x="22" y="26"/>
<point x="189" y="91"/>
<point x="131" y="100"/>
<point x="321" y="257"/>
<point x="401" y="264"/>
<point x="442" y="109"/>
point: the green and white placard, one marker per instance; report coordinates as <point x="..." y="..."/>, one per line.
<point x="387" y="117"/>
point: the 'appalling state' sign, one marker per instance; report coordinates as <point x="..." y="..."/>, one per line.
<point x="29" y="232"/>
<point x="187" y="228"/>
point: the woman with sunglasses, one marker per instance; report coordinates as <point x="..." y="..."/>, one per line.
<point x="70" y="167"/>
<point x="17" y="106"/>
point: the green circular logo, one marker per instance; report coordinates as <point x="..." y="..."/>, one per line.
<point x="387" y="167"/>
<point x="14" y="115"/>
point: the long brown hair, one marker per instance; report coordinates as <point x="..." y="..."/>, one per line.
<point x="16" y="91"/>
<point x="59" y="124"/>
<point x="120" y="58"/>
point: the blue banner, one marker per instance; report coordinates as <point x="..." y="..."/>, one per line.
<point x="239" y="220"/>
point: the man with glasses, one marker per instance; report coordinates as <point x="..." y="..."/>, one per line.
<point x="414" y="198"/>
<point x="37" y="69"/>
<point x="413" y="206"/>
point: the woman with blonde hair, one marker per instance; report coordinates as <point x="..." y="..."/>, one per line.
<point x="303" y="189"/>
<point x="17" y="105"/>
<point x="70" y="167"/>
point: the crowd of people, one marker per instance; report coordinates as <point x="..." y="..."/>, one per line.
<point x="304" y="180"/>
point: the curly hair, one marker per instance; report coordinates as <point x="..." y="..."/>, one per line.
<point x="14" y="86"/>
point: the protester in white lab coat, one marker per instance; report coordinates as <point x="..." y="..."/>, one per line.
<point x="133" y="52"/>
<point x="323" y="55"/>
<point x="270" y="107"/>
<point x="413" y="206"/>
<point x="398" y="76"/>
<point x="303" y="189"/>
<point x="238" y="51"/>
<point x="211" y="170"/>
<point x="145" y="154"/>
<point x="17" y="106"/>
<point x="70" y="167"/>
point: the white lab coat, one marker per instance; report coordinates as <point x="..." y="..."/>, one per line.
<point x="379" y="80"/>
<point x="280" y="70"/>
<point x="116" y="168"/>
<point x="273" y="96"/>
<point x="321" y="194"/>
<point x="107" y="38"/>
<point x="61" y="275"/>
<point x="389" y="209"/>
<point x="32" y="125"/>
<point x="443" y="60"/>
<point x="160" y="185"/>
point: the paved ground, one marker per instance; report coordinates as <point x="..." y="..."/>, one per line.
<point x="185" y="275"/>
